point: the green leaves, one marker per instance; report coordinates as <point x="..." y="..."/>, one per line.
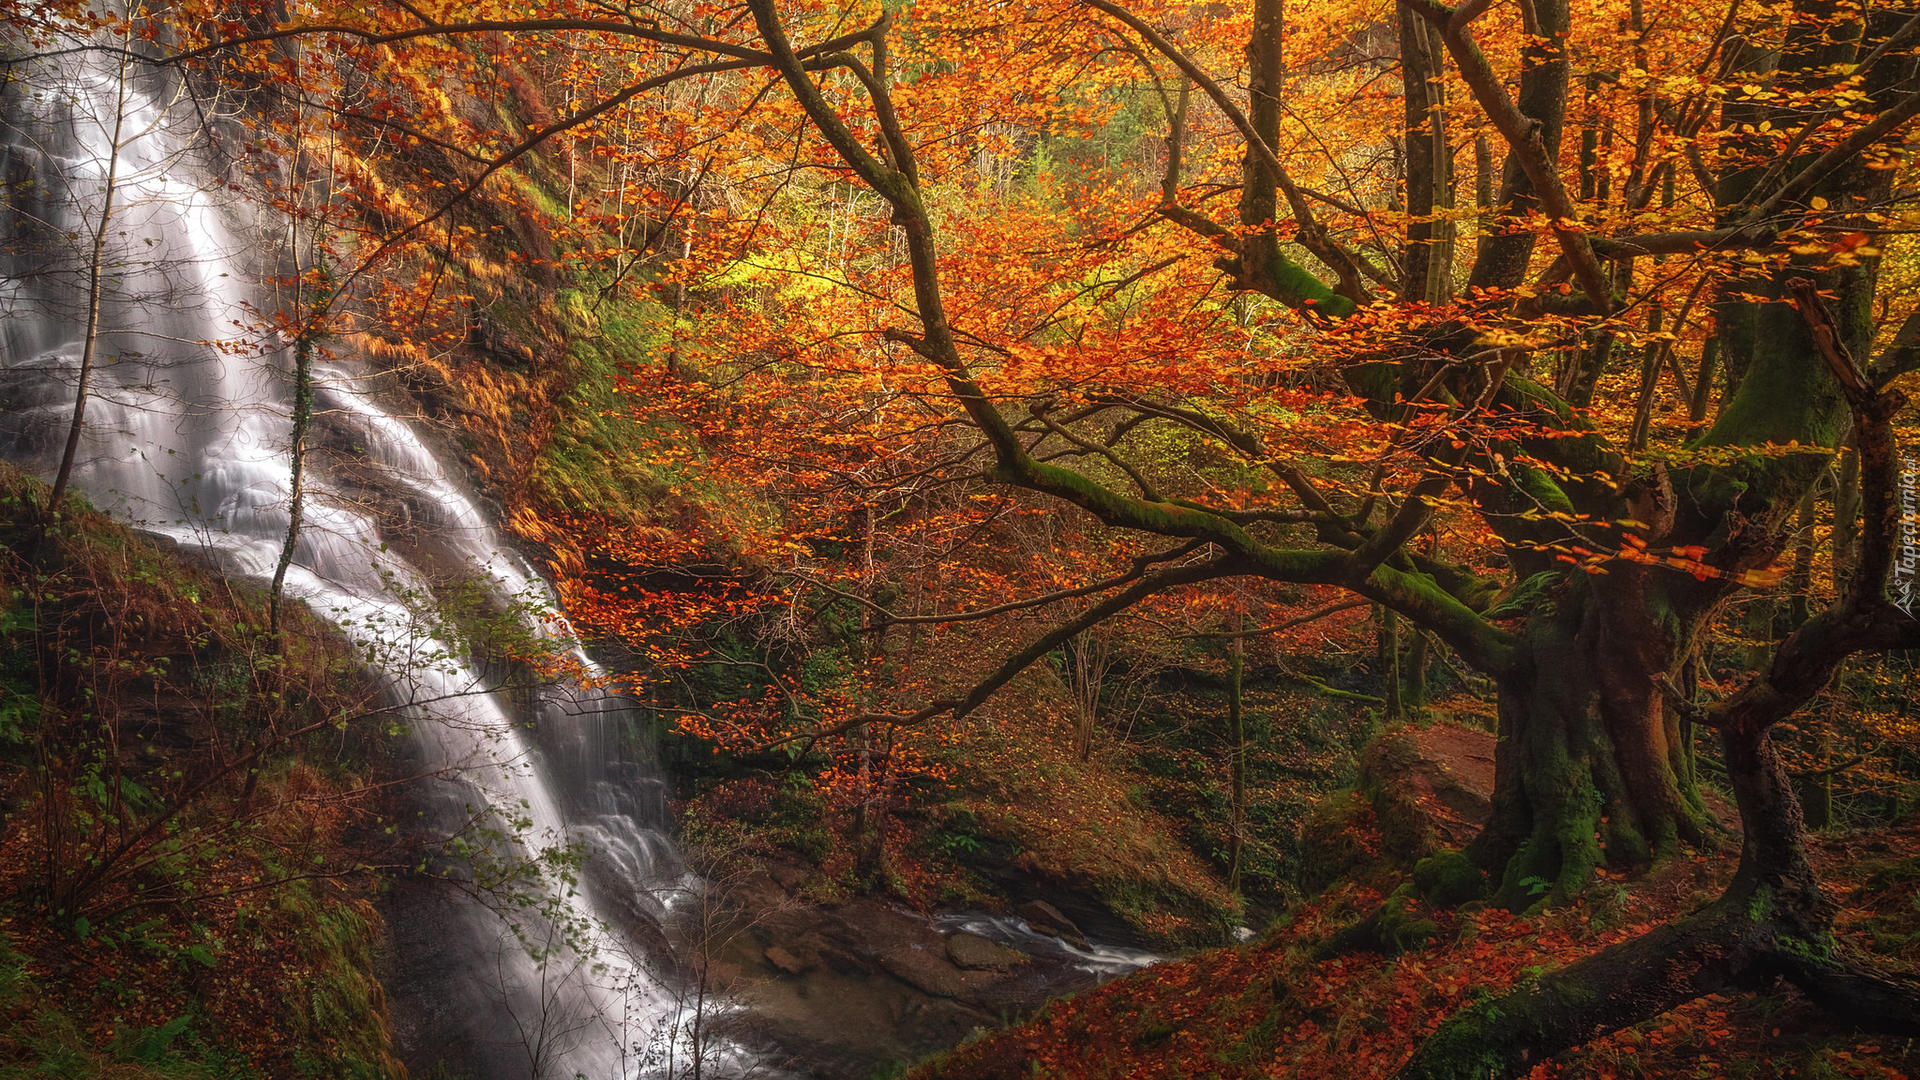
<point x="152" y="1045"/>
<point x="1524" y="596"/>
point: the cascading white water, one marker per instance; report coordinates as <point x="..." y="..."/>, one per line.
<point x="187" y="437"/>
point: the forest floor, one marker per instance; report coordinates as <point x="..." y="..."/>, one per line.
<point x="1274" y="1008"/>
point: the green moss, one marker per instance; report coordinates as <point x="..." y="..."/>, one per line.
<point x="38" y="1040"/>
<point x="1448" y="879"/>
<point x="182" y="637"/>
<point x="343" y="1012"/>
<point x="597" y="455"/>
<point x="1489" y="1039"/>
<point x="1541" y="488"/>
<point x="1393" y="928"/>
<point x="1327" y="848"/>
<point x="1467" y="1047"/>
<point x="13" y="976"/>
<point x="1787" y="394"/>
<point x="1818" y="950"/>
<point x="1298" y="288"/>
<point x="590" y="460"/>
<point x="1255" y="1047"/>
<point x="537" y="195"/>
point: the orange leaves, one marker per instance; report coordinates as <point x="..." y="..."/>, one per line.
<point x="1688" y="559"/>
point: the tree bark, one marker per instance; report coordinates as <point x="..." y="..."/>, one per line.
<point x="90" y="339"/>
<point x="1773" y="921"/>
<point x="297" y="456"/>
<point x="1237" y="747"/>
<point x="1387" y="652"/>
<point x="1501" y="261"/>
<point x="1592" y="769"/>
<point x="1413" y="694"/>
<point x="1429" y="258"/>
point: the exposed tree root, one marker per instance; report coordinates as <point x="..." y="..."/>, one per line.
<point x="1884" y="1002"/>
<point x="1731" y="944"/>
<point x="1391" y="929"/>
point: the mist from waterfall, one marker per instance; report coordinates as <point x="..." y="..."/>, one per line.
<point x="187" y="437"/>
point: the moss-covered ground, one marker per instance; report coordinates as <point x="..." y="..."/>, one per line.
<point x="170" y="906"/>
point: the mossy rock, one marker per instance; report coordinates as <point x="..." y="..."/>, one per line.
<point x="1448" y="879"/>
<point x="1423" y="797"/>
<point x="1329" y="850"/>
<point x="1393" y="928"/>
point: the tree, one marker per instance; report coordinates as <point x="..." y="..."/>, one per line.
<point x="100" y="228"/>
<point x="1754" y="150"/>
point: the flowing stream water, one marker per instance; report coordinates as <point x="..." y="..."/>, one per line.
<point x="187" y="437"/>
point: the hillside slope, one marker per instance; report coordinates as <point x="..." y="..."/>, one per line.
<point x="1303" y="1001"/>
<point x="188" y="814"/>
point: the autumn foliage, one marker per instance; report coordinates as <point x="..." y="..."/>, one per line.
<point x="847" y="363"/>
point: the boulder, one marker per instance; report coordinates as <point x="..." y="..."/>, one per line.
<point x="975" y="953"/>
<point x="1433" y="787"/>
<point x="787" y="961"/>
<point x="928" y="973"/>
<point x="1046" y="919"/>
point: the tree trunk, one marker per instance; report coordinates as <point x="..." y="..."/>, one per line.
<point x="1702" y="386"/>
<point x="1507" y="243"/>
<point x="296" y="496"/>
<point x="1591" y="768"/>
<point x="1430" y="232"/>
<point x="1846" y="518"/>
<point x="1259" y="197"/>
<point x="1388" y="654"/>
<point x="1237" y="747"/>
<point x="96" y="258"/>
<point x="1413" y="695"/>
<point x="1566" y="727"/>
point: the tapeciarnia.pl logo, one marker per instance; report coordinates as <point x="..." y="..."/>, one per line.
<point x="1906" y="564"/>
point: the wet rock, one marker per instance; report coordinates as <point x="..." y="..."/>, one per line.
<point x="1047" y="919"/>
<point x="930" y="973"/>
<point x="878" y="983"/>
<point x="975" y="953"/>
<point x="786" y="961"/>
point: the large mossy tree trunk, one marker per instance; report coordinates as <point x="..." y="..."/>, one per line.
<point x="1591" y="768"/>
<point x="1593" y="765"/>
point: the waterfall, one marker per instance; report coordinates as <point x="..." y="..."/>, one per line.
<point x="188" y="439"/>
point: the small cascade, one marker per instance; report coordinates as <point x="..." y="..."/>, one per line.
<point x="188" y="439"/>
<point x="1102" y="961"/>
